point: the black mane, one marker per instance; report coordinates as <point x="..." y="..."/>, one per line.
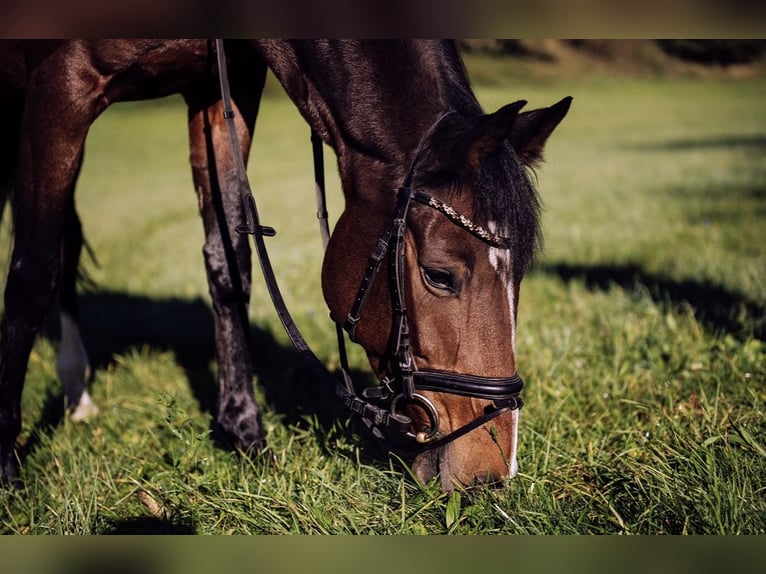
<point x="379" y="99"/>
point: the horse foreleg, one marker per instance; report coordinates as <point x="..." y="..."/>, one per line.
<point x="56" y="119"/>
<point x="29" y="294"/>
<point x="228" y="265"/>
<point x="72" y="364"/>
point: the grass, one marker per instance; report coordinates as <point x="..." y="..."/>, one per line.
<point x="641" y="336"/>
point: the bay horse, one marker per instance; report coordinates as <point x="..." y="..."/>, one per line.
<point x="436" y="191"/>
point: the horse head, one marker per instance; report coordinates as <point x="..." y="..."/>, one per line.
<point x="459" y="239"/>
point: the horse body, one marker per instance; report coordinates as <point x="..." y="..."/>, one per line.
<point x="390" y="110"/>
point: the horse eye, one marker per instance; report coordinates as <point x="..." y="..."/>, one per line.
<point x="440" y="279"/>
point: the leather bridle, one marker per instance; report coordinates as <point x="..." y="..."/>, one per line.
<point x="403" y="385"/>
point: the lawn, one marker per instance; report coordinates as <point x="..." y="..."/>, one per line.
<point x="641" y="335"/>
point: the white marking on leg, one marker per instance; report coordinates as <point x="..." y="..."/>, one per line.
<point x="73" y="369"/>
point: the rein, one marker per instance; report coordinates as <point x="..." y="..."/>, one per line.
<point x="503" y="392"/>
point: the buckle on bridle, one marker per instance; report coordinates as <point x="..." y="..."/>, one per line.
<point x="383" y="392"/>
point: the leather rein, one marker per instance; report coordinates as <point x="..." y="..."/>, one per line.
<point x="400" y="387"/>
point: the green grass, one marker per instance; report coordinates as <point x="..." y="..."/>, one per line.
<point x="641" y="336"/>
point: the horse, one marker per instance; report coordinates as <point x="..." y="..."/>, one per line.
<point x="58" y="90"/>
<point x="436" y="191"/>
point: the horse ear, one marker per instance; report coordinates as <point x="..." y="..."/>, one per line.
<point x="490" y="132"/>
<point x="531" y="130"/>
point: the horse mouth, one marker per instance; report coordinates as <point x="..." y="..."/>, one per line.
<point x="435" y="462"/>
<point x="445" y="462"/>
<point x="425" y="466"/>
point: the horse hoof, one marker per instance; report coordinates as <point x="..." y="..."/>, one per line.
<point x="246" y="435"/>
<point x="9" y="473"/>
<point x="84" y="410"/>
<point x="251" y="444"/>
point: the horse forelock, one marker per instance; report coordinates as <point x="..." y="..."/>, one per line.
<point x="506" y="195"/>
<point x="500" y="191"/>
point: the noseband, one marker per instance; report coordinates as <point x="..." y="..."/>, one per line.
<point x="400" y="387"/>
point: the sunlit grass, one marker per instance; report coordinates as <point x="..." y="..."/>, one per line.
<point x="640" y="338"/>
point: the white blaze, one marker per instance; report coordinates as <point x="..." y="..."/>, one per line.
<point x="500" y="260"/>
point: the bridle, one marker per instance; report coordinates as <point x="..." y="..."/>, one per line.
<point x="401" y="386"/>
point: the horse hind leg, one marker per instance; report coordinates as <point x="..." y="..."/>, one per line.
<point x="72" y="363"/>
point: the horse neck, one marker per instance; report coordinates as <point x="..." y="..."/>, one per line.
<point x="372" y="102"/>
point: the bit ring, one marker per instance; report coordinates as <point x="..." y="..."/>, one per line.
<point x="432" y="433"/>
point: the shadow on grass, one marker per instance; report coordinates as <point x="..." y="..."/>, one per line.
<point x="720" y="200"/>
<point x="115" y="323"/>
<point x="147" y="525"/>
<point x="716" y="308"/>
<point x="731" y="141"/>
